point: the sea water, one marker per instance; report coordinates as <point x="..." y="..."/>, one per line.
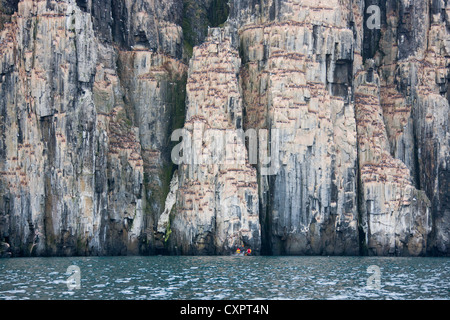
<point x="216" y="278"/>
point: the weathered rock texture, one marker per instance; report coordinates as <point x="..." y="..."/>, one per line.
<point x="395" y="215"/>
<point x="296" y="78"/>
<point x="351" y="126"/>
<point x="365" y="171"/>
<point x="86" y="110"/>
<point x="199" y="15"/>
<point x="217" y="208"/>
<point x="412" y="62"/>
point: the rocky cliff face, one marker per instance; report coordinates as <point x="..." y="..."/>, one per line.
<point x="217" y="207"/>
<point x="412" y="62"/>
<point x="298" y="64"/>
<point x="305" y="129"/>
<point x="86" y="109"/>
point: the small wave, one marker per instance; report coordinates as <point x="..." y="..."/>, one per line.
<point x="340" y="297"/>
<point x="144" y="288"/>
<point x="58" y="281"/>
<point x="126" y="292"/>
<point x="13" y="291"/>
<point x="174" y="278"/>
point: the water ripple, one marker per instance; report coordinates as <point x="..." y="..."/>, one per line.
<point x="335" y="278"/>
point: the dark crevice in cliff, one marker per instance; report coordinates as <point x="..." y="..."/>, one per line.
<point x="194" y="24"/>
<point x="363" y="250"/>
<point x="83" y="5"/>
<point x="372" y="35"/>
<point x="7" y="8"/>
<point x="265" y="214"/>
<point x="48" y="138"/>
<point x="176" y="93"/>
<point x="119" y="25"/>
<point x="342" y="79"/>
<point x="198" y="16"/>
<point x="217" y="11"/>
<point x="111" y="21"/>
<point x="416" y="173"/>
<point x="361" y="218"/>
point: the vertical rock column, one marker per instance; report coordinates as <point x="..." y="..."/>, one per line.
<point x="217" y="203"/>
<point x="395" y="216"/>
<point x="424" y="74"/>
<point x="154" y="85"/>
<point x="297" y="71"/>
<point x="413" y="65"/>
<point x="71" y="167"/>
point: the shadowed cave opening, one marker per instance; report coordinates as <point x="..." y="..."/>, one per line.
<point x="198" y="16"/>
<point x="7" y="8"/>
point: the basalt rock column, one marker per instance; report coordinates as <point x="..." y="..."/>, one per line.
<point x="395" y="215"/>
<point x="297" y="78"/>
<point x="412" y="62"/>
<point x="216" y="207"/>
<point x="71" y="169"/>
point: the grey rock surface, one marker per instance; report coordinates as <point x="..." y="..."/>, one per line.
<point x="351" y="123"/>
